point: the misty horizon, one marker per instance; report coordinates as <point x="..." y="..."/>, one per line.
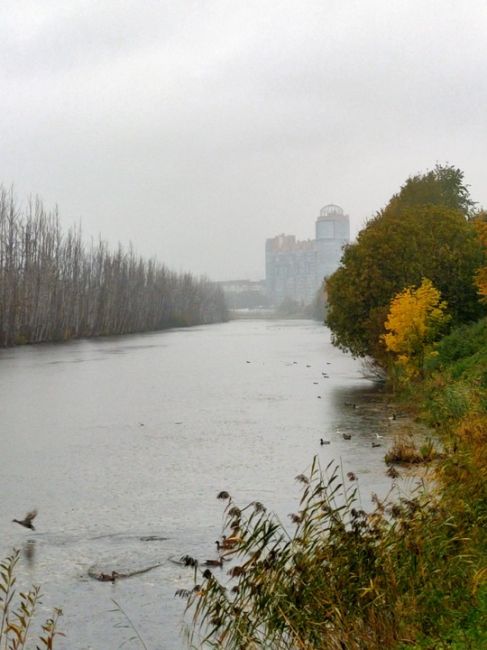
<point x="197" y="131"/>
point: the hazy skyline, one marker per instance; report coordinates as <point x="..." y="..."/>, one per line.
<point x="195" y="130"/>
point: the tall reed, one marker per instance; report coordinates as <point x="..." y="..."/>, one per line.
<point x="18" y="612"/>
<point x="338" y="578"/>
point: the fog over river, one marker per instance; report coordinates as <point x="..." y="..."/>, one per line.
<point x="123" y="444"/>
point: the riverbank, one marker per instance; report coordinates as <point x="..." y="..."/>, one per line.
<point x="452" y="398"/>
<point x="411" y="573"/>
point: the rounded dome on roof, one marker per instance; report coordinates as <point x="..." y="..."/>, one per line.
<point x="331" y="211"/>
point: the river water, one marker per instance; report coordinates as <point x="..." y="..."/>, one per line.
<point x="122" y="445"/>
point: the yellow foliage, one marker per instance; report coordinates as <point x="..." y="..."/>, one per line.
<point x="481" y="275"/>
<point x="416" y="317"/>
<point x="481" y="282"/>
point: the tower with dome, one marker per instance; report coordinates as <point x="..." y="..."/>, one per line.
<point x="295" y="269"/>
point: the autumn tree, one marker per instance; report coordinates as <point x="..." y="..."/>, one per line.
<point x="443" y="185"/>
<point x="403" y="243"/>
<point x="480" y="224"/>
<point x="415" y="320"/>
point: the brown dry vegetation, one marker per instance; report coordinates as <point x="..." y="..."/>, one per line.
<point x="404" y="450"/>
<point x="410" y="574"/>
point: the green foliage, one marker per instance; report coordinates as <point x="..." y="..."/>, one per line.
<point x="463" y="342"/>
<point x="444" y="185"/>
<point x="470" y="634"/>
<point x="461" y="363"/>
<point x="405" y="242"/>
<point x="448" y="405"/>
<point x="17" y="616"/>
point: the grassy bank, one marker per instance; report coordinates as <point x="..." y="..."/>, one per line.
<point x="452" y="398"/>
<point x="410" y="574"/>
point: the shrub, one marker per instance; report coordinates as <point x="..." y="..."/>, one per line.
<point x="341" y="578"/>
<point x="17" y="616"/>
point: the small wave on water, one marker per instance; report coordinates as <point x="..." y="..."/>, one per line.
<point x="66" y="539"/>
<point x="109" y="574"/>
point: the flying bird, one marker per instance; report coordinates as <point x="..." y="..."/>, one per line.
<point x="27" y="520"/>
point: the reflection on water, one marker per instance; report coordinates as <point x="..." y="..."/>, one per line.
<point x="28" y="552"/>
<point x="123" y="444"/>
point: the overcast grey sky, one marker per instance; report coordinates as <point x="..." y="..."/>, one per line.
<point x="196" y="129"/>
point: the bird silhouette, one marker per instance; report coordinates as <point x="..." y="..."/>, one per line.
<point x="324" y="442"/>
<point x="27" y="520"/>
<point x="347" y="436"/>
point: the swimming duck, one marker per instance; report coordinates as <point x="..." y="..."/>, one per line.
<point x="213" y="562"/>
<point x="107" y="577"/>
<point x="227" y="542"/>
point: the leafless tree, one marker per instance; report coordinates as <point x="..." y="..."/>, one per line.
<point x="54" y="287"/>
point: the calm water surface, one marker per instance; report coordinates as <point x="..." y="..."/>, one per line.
<point x="123" y="443"/>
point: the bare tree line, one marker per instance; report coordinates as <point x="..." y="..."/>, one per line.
<point x="54" y="287"/>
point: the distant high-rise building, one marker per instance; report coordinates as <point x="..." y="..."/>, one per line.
<point x="296" y="269"/>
